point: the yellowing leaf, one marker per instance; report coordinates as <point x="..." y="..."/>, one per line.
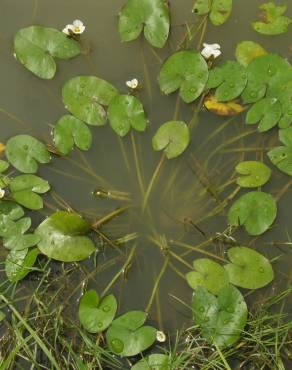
<point x="230" y="108"/>
<point x="2" y="148"/>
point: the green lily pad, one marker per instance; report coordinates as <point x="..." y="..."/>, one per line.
<point x="246" y="51"/>
<point x="24" y="152"/>
<point x="36" y="47"/>
<point x="229" y="79"/>
<point x="208" y="274"/>
<point x="248" y="268"/>
<point x="4" y="165"/>
<point x="63" y="239"/>
<point x="124" y="112"/>
<point x="86" y="96"/>
<point x="274" y="22"/>
<point x="219" y="10"/>
<point x="173" y="137"/>
<point x="253" y="174"/>
<point x="96" y="313"/>
<point x="281" y="157"/>
<point x="128" y="337"/>
<point x="285" y="136"/>
<point x="19" y="263"/>
<point x="11" y="209"/>
<point x="69" y="131"/>
<point x="202" y="7"/>
<point x="267" y="112"/>
<point x="25" y="189"/>
<point x="150" y="15"/>
<point x="221" y="319"/>
<point x="281" y="88"/>
<point x="185" y="70"/>
<point x="155" y="361"/>
<point x="255" y="210"/>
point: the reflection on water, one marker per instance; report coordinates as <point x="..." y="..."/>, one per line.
<point x="190" y="195"/>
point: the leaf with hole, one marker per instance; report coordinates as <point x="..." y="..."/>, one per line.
<point x="267" y="112"/>
<point x="208" y="274"/>
<point x="36" y="47"/>
<point x="127" y="335"/>
<point x="126" y="112"/>
<point x="253" y="174"/>
<point x="156" y="361"/>
<point x="24" y="152"/>
<point x="281" y="157"/>
<point x="221" y="319"/>
<point x="150" y="15"/>
<point x="69" y="131"/>
<point x="96" y="313"/>
<point x="86" y="98"/>
<point x="202" y="7"/>
<point x="173" y="137"/>
<point x="186" y="71"/>
<point x="62" y="237"/>
<point x="18" y="264"/>
<point x="248" y="268"/>
<point x="255" y="210"/>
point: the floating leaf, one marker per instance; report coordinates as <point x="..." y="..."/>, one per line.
<point x="173" y="137"/>
<point x="24" y="152"/>
<point x="127" y="336"/>
<point x="86" y="96"/>
<point x="253" y="174"/>
<point x="281" y="88"/>
<point x="150" y="15"/>
<point x="69" y="131"/>
<point x="155" y="361"/>
<point x="220" y="11"/>
<point x="124" y="112"/>
<point x="19" y="263"/>
<point x="3" y="165"/>
<point x="274" y="22"/>
<point x="248" y="269"/>
<point x="246" y="51"/>
<point x="221" y="319"/>
<point x="95" y="313"/>
<point x="229" y="79"/>
<point x="208" y="274"/>
<point x="11" y="209"/>
<point x="202" y="7"/>
<point x="36" y="47"/>
<point x="285" y="136"/>
<point x="62" y="237"/>
<point x="25" y="189"/>
<point x="255" y="210"/>
<point x="230" y="108"/>
<point x="267" y="112"/>
<point x="281" y="157"/>
<point x="185" y="70"/>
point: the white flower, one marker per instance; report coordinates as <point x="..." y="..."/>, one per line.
<point x="160" y="336"/>
<point x="133" y="84"/>
<point x="2" y="193"/>
<point x="77" y="28"/>
<point x="211" y="50"/>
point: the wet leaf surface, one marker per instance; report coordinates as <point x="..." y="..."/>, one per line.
<point x="267" y="112"/>
<point x="281" y="157"/>
<point x="18" y="264"/>
<point x="253" y="174"/>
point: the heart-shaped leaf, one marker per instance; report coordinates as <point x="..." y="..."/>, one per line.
<point x="25" y="189"/>
<point x="219" y="10"/>
<point x="246" y="51"/>
<point x="62" y="237"/>
<point x="19" y="263"/>
<point x="274" y="22"/>
<point x="281" y="157"/>
<point x="155" y="361"/>
<point x="69" y="131"/>
<point x="285" y="136"/>
<point x="280" y="88"/>
<point x="86" y="96"/>
<point x="95" y="313"/>
<point x="230" y="108"/>
<point x="124" y="112"/>
<point x="248" y="269"/>
<point x="11" y="209"/>
<point x="36" y="47"/>
<point x="152" y="15"/>
<point x="24" y="152"/>
<point x="185" y="70"/>
<point x="127" y="336"/>
<point x="267" y="112"/>
<point x="255" y="210"/>
<point x="173" y="137"/>
<point x="229" y="79"/>
<point x="221" y="319"/>
<point x="208" y="274"/>
<point x="253" y="174"/>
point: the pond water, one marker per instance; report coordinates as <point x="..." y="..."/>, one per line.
<point x="188" y="191"/>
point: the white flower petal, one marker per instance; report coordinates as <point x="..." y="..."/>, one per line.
<point x="77" y="23"/>
<point x="211" y="50"/>
<point x="67" y="29"/>
<point x="133" y="84"/>
<point x="2" y="193"/>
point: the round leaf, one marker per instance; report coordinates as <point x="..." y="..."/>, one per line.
<point x="173" y="137"/>
<point x="184" y="70"/>
<point x="267" y="112"/>
<point x="274" y="22"/>
<point x="246" y="51"/>
<point x="220" y="11"/>
<point x="202" y="7"/>
<point x="62" y="237"/>
<point x="155" y="361"/>
<point x="248" y="269"/>
<point x="24" y="152"/>
<point x="19" y="263"/>
<point x="11" y="209"/>
<point x="253" y="174"/>
<point x="255" y="210"/>
<point x="281" y="157"/>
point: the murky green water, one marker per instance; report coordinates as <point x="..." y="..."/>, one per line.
<point x="179" y="199"/>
